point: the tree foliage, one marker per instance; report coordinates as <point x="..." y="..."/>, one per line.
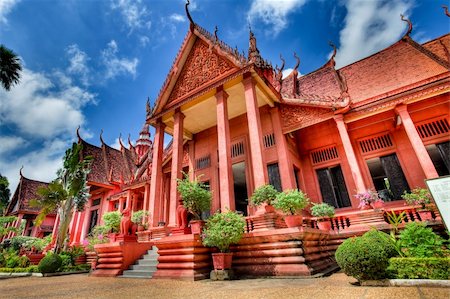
<point x="4" y="193"/>
<point x="9" y="68"/>
<point x="4" y="220"/>
<point x="67" y="193"/>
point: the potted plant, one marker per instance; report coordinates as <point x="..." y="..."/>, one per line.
<point x="196" y="199"/>
<point x="292" y="202"/>
<point x="222" y="230"/>
<point x="323" y="212"/>
<point x="111" y="221"/>
<point x="422" y="197"/>
<point x="369" y="199"/>
<point x="138" y="219"/>
<point x="264" y="196"/>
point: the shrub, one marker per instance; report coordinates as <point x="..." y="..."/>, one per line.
<point x="417" y="240"/>
<point x="50" y="263"/>
<point x="418" y="196"/>
<point x="196" y="198"/>
<point x="419" y="268"/>
<point x="23" y="262"/>
<point x="18" y="242"/>
<point x="2" y="260"/>
<point x="12" y="261"/>
<point x="366" y="257"/>
<point x="112" y="221"/>
<point x="66" y="259"/>
<point x="291" y="201"/>
<point x="33" y="269"/>
<point x="138" y="216"/>
<point x="223" y="229"/>
<point x="264" y="194"/>
<point x="322" y="210"/>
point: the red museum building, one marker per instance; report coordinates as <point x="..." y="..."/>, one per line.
<point x="380" y="123"/>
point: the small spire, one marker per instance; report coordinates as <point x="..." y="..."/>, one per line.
<point x="120" y="142"/>
<point x="445" y="7"/>
<point x="20" y="172"/>
<point x="148" y="109"/>
<point x="282" y="64"/>
<point x="333" y="63"/>
<point x="101" y="137"/>
<point x="188" y="14"/>
<point x="298" y="61"/>
<point x="78" y="134"/>
<point x="215" y="34"/>
<point x="410" y="26"/>
<point x="129" y="142"/>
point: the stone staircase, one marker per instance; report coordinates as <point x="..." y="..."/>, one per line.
<point x="144" y="267"/>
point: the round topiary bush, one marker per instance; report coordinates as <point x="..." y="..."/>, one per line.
<point x="50" y="263"/>
<point x="366" y="257"/>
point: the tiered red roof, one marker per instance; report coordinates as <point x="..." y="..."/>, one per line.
<point x="26" y="191"/>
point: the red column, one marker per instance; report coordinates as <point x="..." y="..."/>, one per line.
<point x="351" y="157"/>
<point x="177" y="161"/>
<point x="226" y="190"/>
<point x="191" y="160"/>
<point x="416" y="142"/>
<point x="156" y="176"/>
<point x="255" y="132"/>
<point x="286" y="168"/>
<point x="146" y="201"/>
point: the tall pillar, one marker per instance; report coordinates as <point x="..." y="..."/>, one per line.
<point x="177" y="165"/>
<point x="284" y="162"/>
<point x="417" y="144"/>
<point x="156" y="176"/>
<point x="255" y="132"/>
<point x="146" y="201"/>
<point x="129" y="201"/>
<point x="351" y="157"/>
<point x="226" y="190"/>
<point x="191" y="160"/>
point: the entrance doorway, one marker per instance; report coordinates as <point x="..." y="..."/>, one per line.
<point x="240" y="187"/>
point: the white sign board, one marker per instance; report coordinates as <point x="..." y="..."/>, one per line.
<point x="440" y="190"/>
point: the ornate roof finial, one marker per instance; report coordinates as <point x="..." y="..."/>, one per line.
<point x="78" y="133"/>
<point x="445" y="7"/>
<point x="215" y="34"/>
<point x="331" y="61"/>
<point x="101" y="137"/>
<point x="188" y="14"/>
<point x="148" y="109"/>
<point x="298" y="61"/>
<point x="129" y="142"/>
<point x="283" y="63"/>
<point x="20" y="171"/>
<point x="410" y="26"/>
<point x="120" y="141"/>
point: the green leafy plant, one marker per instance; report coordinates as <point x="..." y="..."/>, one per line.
<point x="291" y="202"/>
<point x="112" y="221"/>
<point x="417" y="240"/>
<point x="366" y="257"/>
<point x="50" y="263"/>
<point x="4" y="221"/>
<point x="138" y="216"/>
<point x="196" y="198"/>
<point x="223" y="229"/>
<point x="418" y="196"/>
<point x="264" y="194"/>
<point x="419" y="268"/>
<point x="322" y="210"/>
<point x="395" y="220"/>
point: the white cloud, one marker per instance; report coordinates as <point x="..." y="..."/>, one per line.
<point x="78" y="60"/>
<point x="144" y="40"/>
<point x="117" y="66"/>
<point x="5" y="8"/>
<point x="273" y="13"/>
<point x="134" y="13"/>
<point x="44" y="106"/>
<point x="369" y="27"/>
<point x="177" y="18"/>
<point x="10" y="143"/>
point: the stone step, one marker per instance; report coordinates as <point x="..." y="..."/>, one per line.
<point x="143" y="268"/>
<point x="147" y="263"/>
<point x="137" y="273"/>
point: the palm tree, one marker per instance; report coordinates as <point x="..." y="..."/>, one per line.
<point x="9" y="68"/>
<point x="67" y="193"/>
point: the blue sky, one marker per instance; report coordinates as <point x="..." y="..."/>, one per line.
<point x="94" y="62"/>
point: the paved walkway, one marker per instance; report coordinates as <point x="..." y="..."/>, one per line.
<point x="336" y="286"/>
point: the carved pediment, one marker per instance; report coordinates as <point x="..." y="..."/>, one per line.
<point x="297" y="117"/>
<point x="202" y="66"/>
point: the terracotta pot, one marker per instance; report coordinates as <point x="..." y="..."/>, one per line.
<point x="324" y="225"/>
<point x="269" y="208"/>
<point x="293" y="220"/>
<point x="377" y="205"/>
<point x="112" y="237"/>
<point x="140" y="228"/>
<point x="425" y="215"/>
<point x="222" y="261"/>
<point x="367" y="207"/>
<point x="197" y="226"/>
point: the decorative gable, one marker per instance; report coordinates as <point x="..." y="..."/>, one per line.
<point x="202" y="66"/>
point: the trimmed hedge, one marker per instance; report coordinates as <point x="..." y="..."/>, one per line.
<point x="50" y="263"/>
<point x="419" y="268"/>
<point x="366" y="257"/>
<point x="33" y="269"/>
